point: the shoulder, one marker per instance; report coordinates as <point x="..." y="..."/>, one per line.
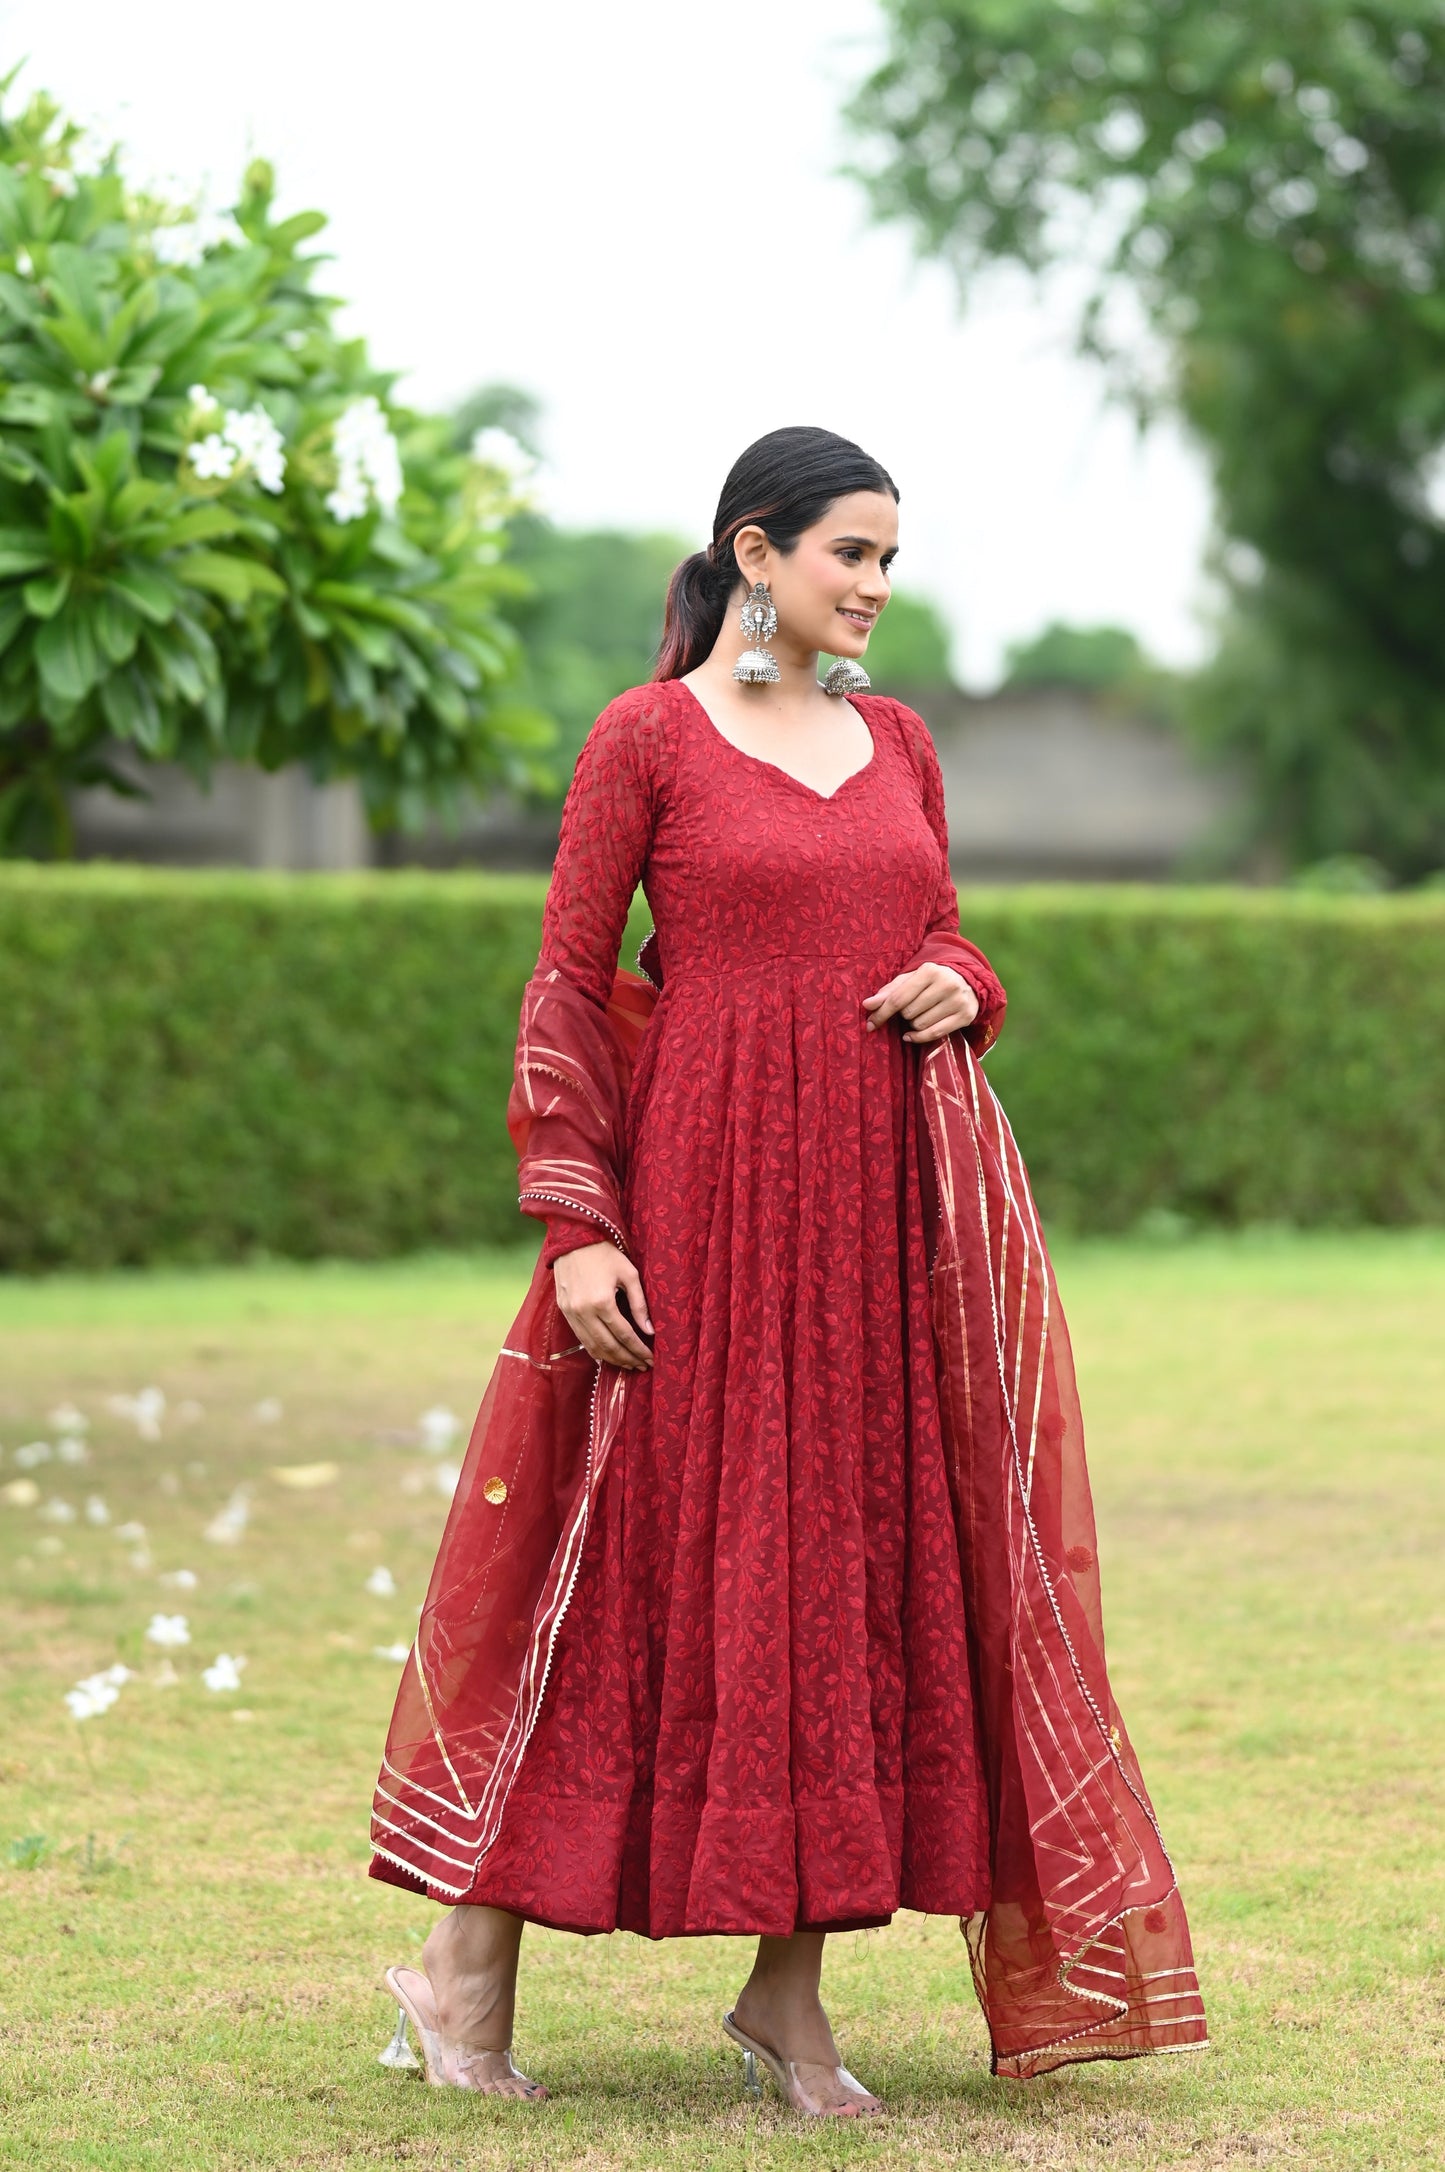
<point x="637" y="722"/>
<point x="635" y="730"/>
<point x="907" y="725"/>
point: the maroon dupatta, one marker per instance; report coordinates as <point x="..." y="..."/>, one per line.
<point x="1084" y="1950"/>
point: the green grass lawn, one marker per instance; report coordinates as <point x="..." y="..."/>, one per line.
<point x="192" y="1946"/>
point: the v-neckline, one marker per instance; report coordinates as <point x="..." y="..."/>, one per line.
<point x="777" y="768"/>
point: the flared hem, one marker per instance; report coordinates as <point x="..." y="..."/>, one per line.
<point x="672" y="1869"/>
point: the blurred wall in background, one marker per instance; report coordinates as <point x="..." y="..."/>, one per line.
<point x="1043" y="782"/>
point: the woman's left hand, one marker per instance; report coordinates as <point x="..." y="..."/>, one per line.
<point x="933" y="998"/>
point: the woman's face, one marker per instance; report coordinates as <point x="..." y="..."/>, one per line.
<point x="829" y="589"/>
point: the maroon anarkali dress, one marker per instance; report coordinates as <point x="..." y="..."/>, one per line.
<point x="800" y="1627"/>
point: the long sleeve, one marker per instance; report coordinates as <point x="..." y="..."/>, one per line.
<point x="942" y="943"/>
<point x="602" y="849"/>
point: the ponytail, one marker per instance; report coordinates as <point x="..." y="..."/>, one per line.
<point x="781" y="484"/>
<point x="697" y="602"/>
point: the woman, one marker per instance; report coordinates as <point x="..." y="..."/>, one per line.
<point x="768" y="1602"/>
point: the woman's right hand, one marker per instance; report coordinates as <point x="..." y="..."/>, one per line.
<point x="586" y="1282"/>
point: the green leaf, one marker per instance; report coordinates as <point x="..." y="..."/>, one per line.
<point x="105" y="464"/>
<point x="130" y="708"/>
<point x="299" y="227"/>
<point x="30" y="407"/>
<point x="129" y="387"/>
<point x="200" y="524"/>
<point x="66" y="654"/>
<point x="15" y="558"/>
<point x="367" y="603"/>
<point x="43" y="598"/>
<point x="153" y="595"/>
<point x="117" y="626"/>
<point x="12" y="616"/>
<point x="235" y="580"/>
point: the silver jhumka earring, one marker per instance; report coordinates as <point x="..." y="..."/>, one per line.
<point x="844" y="677"/>
<point x="758" y="618"/>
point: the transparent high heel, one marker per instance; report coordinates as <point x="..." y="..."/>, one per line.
<point x="446" y="2066"/>
<point x="790" y="2086"/>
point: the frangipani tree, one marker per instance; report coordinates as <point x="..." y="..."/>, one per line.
<point x="219" y="535"/>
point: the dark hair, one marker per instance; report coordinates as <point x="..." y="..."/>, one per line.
<point x="781" y="484"/>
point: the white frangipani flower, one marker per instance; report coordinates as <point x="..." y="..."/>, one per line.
<point x="368" y="461"/>
<point x="445" y="1478"/>
<point x="25" y="263"/>
<point x="224" y="1672"/>
<point x="96" y="1511"/>
<point x="267" y="1411"/>
<point x="180" y="1580"/>
<point x="70" y="1449"/>
<point x="183" y="244"/>
<point x="67" y="1419"/>
<point x="98" y="1692"/>
<point x="229" y="1525"/>
<point x="212" y="459"/>
<point x="396" y="1653"/>
<point x="89" y="1699"/>
<point x="58" y="1511"/>
<point x="168" y="1631"/>
<point x="20" y="1493"/>
<point x="145" y="1410"/>
<point x="32" y="1453"/>
<point x="439" y="1428"/>
<point x="246" y="439"/>
<point x="130" y="1533"/>
<point x="496" y="448"/>
<point x="381" y="1584"/>
<point x="255" y="439"/>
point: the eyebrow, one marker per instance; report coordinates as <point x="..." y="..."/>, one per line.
<point x="865" y="540"/>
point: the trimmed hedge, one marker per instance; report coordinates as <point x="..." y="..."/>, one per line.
<point x="199" y="1066"/>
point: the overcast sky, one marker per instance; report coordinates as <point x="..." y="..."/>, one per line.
<point x="633" y="210"/>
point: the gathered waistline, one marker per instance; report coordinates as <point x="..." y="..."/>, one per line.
<point x="860" y="961"/>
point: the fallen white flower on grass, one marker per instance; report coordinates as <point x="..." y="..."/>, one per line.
<point x="179" y="1579"/>
<point x="67" y="1419"/>
<point x="229" y="1525"/>
<point x="445" y="1478"/>
<point x="33" y="1453"/>
<point x="303" y="1477"/>
<point x="224" y="1672"/>
<point x="145" y="1411"/>
<point x="381" y="1584"/>
<point x="168" y="1630"/>
<point x="142" y="1559"/>
<point x="71" y="1450"/>
<point x="439" y="1428"/>
<point x="57" y="1511"/>
<point x="130" y="1534"/>
<point x="267" y="1411"/>
<point x="20" y="1493"/>
<point x="97" y="1693"/>
<point x="96" y="1511"/>
<point x="396" y="1653"/>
